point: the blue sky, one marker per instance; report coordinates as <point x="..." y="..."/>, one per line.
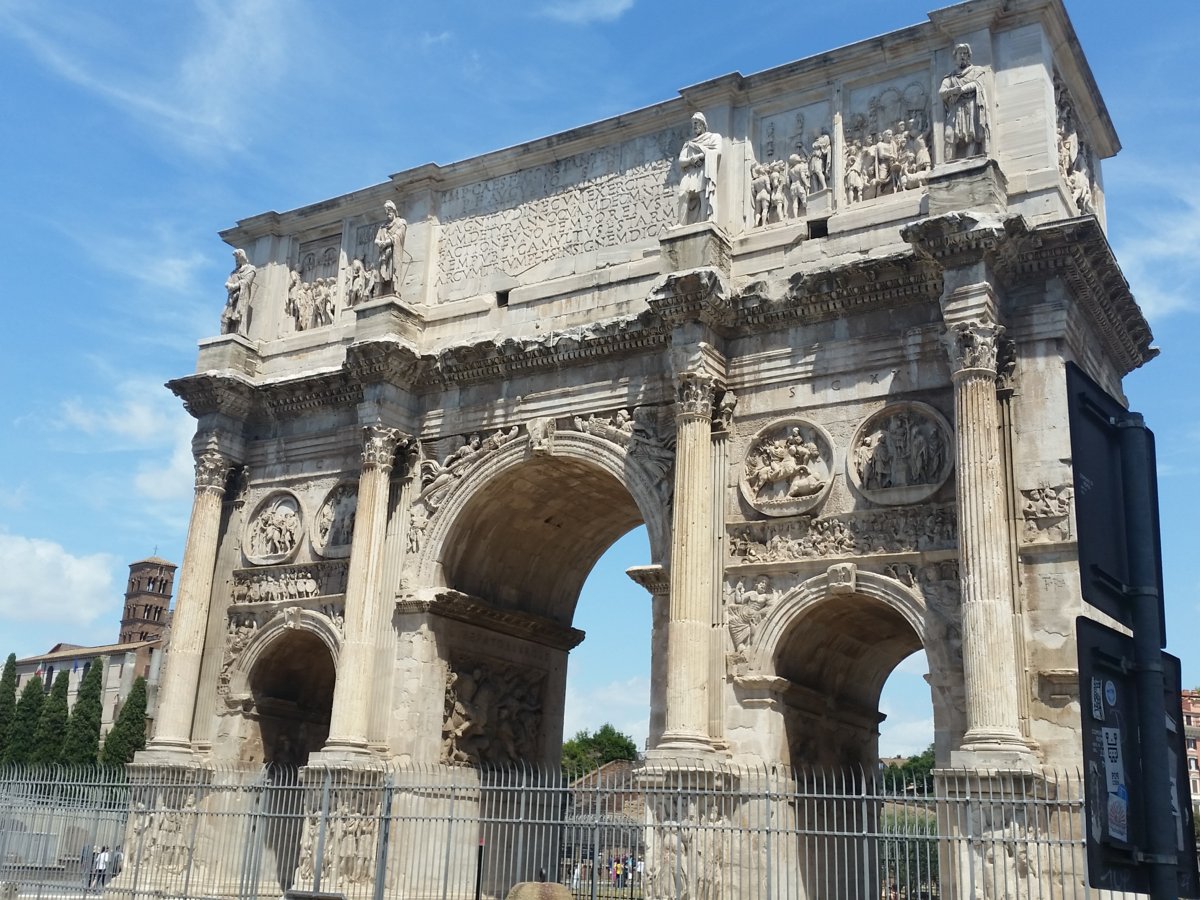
<point x="132" y="133"/>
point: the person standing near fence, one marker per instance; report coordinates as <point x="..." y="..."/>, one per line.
<point x="100" y="869"/>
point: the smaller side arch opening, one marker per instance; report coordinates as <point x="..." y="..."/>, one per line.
<point x="292" y="688"/>
<point x="834" y="659"/>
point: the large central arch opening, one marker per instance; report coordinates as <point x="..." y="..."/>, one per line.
<point x="524" y="544"/>
<point x="836" y="658"/>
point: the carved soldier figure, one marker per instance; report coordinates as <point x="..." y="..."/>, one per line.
<point x="389" y="242"/>
<point x="822" y="150"/>
<point x="238" y="287"/>
<point x="698" y="163"/>
<point x="798" y="182"/>
<point x="965" y="98"/>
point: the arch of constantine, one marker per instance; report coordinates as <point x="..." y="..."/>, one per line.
<point x="809" y="326"/>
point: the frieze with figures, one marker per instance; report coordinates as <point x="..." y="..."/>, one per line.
<point x="912" y="530"/>
<point x="298" y="582"/>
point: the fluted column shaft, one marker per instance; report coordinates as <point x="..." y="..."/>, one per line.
<point x="368" y="607"/>
<point x="689" y="626"/>
<point x="177" y="692"/>
<point x="988" y="642"/>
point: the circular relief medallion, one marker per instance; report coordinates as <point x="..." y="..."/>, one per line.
<point x="788" y="468"/>
<point x="274" y="530"/>
<point x="902" y="454"/>
<point x="334" y="525"/>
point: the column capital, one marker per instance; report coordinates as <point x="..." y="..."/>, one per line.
<point x="212" y="470"/>
<point x="694" y="395"/>
<point x="974" y="344"/>
<point x="379" y="446"/>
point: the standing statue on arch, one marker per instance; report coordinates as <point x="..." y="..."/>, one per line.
<point x="698" y="163"/>
<point x="965" y="98"/>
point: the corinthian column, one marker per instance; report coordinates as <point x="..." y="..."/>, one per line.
<point x="368" y="607"/>
<point x="988" y="642"/>
<point x="177" y="693"/>
<point x="690" y="607"/>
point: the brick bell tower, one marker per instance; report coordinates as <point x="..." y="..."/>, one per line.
<point x="147" y="598"/>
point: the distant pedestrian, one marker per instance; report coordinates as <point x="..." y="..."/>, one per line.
<point x="100" y="869"/>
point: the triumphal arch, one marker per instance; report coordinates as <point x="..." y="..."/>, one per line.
<point x="809" y="326"/>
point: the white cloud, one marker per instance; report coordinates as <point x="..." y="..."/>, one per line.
<point x="195" y="94"/>
<point x="1159" y="258"/>
<point x="584" y="12"/>
<point x="43" y="582"/>
<point x="905" y="737"/>
<point x="173" y="479"/>
<point x="429" y="39"/>
<point x="623" y="704"/>
<point x="134" y="413"/>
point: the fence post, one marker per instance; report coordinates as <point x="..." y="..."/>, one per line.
<point x="385" y="833"/>
<point x="248" y="854"/>
<point x="322" y="822"/>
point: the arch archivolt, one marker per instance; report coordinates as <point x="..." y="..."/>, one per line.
<point x="283" y="623"/>
<point x="643" y="487"/>
<point x="841" y="579"/>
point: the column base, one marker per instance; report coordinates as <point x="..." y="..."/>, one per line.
<point x="167" y="753"/>
<point x="985" y="749"/>
<point x="684" y="747"/>
<point x="340" y="755"/>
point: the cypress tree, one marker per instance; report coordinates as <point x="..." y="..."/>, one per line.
<point x="8" y="699"/>
<point x="83" y="731"/>
<point x="22" y="732"/>
<point x="52" y="726"/>
<point x="128" y="735"/>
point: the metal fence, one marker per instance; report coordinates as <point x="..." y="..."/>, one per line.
<point x="654" y="832"/>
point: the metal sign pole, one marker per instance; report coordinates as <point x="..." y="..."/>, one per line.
<point x="1145" y="605"/>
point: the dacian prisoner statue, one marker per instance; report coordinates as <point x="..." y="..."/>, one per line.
<point x="237" y="289"/>
<point x="389" y="244"/>
<point x="965" y="98"/>
<point x="699" y="161"/>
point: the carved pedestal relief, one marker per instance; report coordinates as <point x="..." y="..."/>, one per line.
<point x="901" y="455"/>
<point x="493" y="713"/>
<point x="333" y="527"/>
<point x="273" y="532"/>
<point x="788" y="468"/>
<point x="886" y="139"/>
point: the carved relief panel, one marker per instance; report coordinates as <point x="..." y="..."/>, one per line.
<point x="273" y="532"/>
<point x="333" y="527"/>
<point x="1046" y="513"/>
<point x="312" y="283"/>
<point x="493" y="713"/>
<point x="902" y="454"/>
<point x="887" y="138"/>
<point x="793" y="172"/>
<point x="1076" y="162"/>
<point x="788" y="468"/>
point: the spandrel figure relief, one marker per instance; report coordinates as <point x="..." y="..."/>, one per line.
<point x="238" y="289"/>
<point x="886" y="146"/>
<point x="902" y="454"/>
<point x="333" y="527"/>
<point x="699" y="161"/>
<point x="965" y="99"/>
<point x="274" y="530"/>
<point x="745" y="608"/>
<point x="787" y="468"/>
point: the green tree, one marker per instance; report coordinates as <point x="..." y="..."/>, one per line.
<point x="52" y="726"/>
<point x="21" y="734"/>
<point x="588" y="750"/>
<point x="914" y="775"/>
<point x="83" y="731"/>
<point x="8" y="699"/>
<point x="128" y="735"/>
